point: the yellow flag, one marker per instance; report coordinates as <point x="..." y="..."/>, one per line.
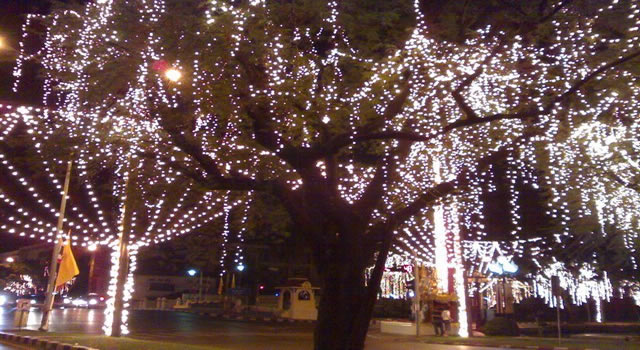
<point x="220" y="286"/>
<point x="68" y="267"/>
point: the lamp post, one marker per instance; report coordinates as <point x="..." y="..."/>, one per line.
<point x="193" y="272"/>
<point x="503" y="267"/>
<point x="92" y="248"/>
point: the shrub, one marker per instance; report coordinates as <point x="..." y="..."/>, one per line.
<point x="502" y="326"/>
<point x="392" y="308"/>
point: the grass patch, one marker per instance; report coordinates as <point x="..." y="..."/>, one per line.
<point x="103" y="342"/>
<point x="602" y="344"/>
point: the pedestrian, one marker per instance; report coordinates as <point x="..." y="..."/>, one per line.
<point x="446" y="319"/>
<point x="436" y="319"/>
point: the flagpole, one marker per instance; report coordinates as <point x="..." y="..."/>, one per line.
<point x="53" y="266"/>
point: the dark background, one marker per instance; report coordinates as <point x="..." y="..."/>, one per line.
<point x="13" y="14"/>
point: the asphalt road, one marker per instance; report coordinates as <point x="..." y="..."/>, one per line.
<point x="9" y="346"/>
<point x="5" y="347"/>
<point x="202" y="330"/>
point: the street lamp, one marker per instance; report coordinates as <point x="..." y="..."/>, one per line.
<point x="10" y="259"/>
<point x="240" y="267"/>
<point x="503" y="267"/>
<point x="173" y="75"/>
<point x="192" y="273"/>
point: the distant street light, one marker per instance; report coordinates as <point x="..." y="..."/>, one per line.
<point x="4" y="46"/>
<point x="10" y="259"/>
<point x="240" y="267"/>
<point x="192" y="272"/>
<point x="503" y="267"/>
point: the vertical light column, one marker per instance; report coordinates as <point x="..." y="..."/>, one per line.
<point x="128" y="289"/>
<point x="459" y="274"/>
<point x="440" y="240"/>
<point x="598" y="310"/>
<point x="440" y="237"/>
<point x="127" y="293"/>
<point x="121" y="282"/>
<point x="111" y="291"/>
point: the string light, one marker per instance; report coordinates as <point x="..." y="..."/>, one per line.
<point x="303" y="93"/>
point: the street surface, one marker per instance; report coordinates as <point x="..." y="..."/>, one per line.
<point x="5" y="347"/>
<point x="202" y="330"/>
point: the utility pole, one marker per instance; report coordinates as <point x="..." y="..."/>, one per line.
<point x="200" y="288"/>
<point x="92" y="263"/>
<point x="123" y="260"/>
<point x="53" y="266"/>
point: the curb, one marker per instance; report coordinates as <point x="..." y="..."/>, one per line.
<point x="40" y="343"/>
<point x="506" y="346"/>
<point x="247" y="318"/>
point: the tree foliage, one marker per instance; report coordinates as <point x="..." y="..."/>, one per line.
<point x="358" y="117"/>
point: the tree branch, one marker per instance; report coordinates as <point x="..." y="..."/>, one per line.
<point x="393" y="109"/>
<point x="555" y="10"/>
<point x="589" y="77"/>
<point x="618" y="179"/>
<point x="263" y="120"/>
<point x="529" y="113"/>
<point x="378" y="232"/>
<point x="464" y="106"/>
<point x="384" y="173"/>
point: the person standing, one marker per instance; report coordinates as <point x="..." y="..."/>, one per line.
<point x="436" y="319"/>
<point x="446" y="319"/>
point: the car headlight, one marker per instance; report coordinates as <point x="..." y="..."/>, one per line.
<point x="3" y="300"/>
<point x="66" y="301"/>
<point x="33" y="301"/>
<point x="79" y="302"/>
<point x="93" y="302"/>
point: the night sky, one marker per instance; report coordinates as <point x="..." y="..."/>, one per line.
<point x="12" y="16"/>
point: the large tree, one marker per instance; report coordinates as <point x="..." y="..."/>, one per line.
<point x="357" y="116"/>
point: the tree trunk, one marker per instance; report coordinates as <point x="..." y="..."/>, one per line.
<point x="345" y="309"/>
<point x="347" y="303"/>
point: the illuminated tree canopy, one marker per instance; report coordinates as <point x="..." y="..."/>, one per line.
<point x="359" y="117"/>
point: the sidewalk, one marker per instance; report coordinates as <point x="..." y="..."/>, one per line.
<point x="618" y="343"/>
